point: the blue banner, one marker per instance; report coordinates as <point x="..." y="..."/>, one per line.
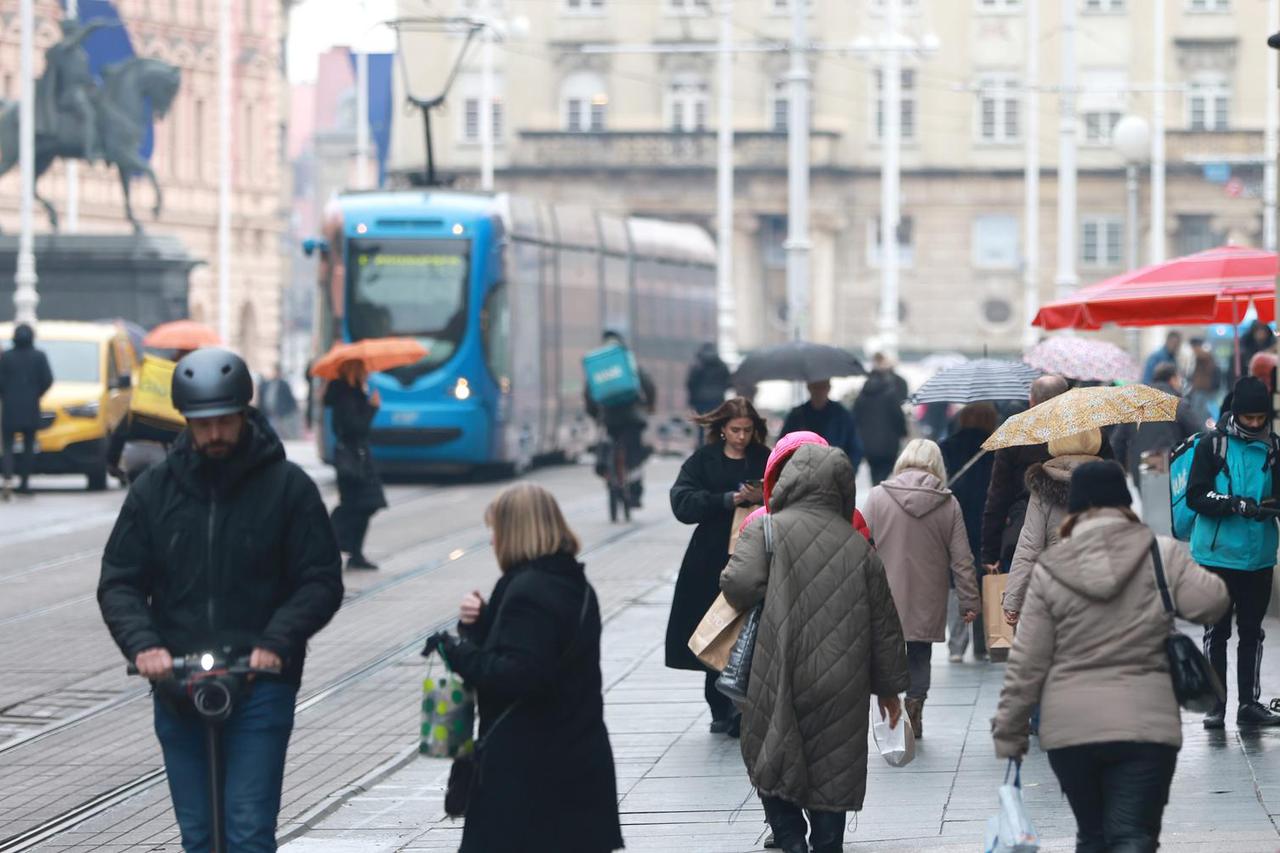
<point x="380" y="68"/>
<point x="109" y="46"/>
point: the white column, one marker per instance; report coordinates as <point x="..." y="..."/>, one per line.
<point x="24" y="279"/>
<point x="486" y="99"/>
<point x="726" y="325"/>
<point x="224" y="171"/>
<point x="1270" y="134"/>
<point x="73" y="165"/>
<point x="362" y="119"/>
<point x="797" y="245"/>
<point x="1157" y="137"/>
<point x="1031" y="177"/>
<point x="890" y="143"/>
<point x="1066" y="279"/>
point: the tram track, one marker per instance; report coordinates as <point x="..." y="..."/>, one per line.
<point x="120" y="793"/>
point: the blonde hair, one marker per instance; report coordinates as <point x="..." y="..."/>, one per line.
<point x="527" y="524"/>
<point x="923" y="455"/>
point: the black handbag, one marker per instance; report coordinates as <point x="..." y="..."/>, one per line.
<point x="1195" y="684"/>
<point x="736" y="675"/>
<point x="466" y="773"/>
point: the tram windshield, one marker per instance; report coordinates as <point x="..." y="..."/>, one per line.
<point x="409" y="288"/>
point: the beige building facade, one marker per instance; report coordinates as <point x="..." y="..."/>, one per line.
<point x="584" y="113"/>
<point x="185" y="157"/>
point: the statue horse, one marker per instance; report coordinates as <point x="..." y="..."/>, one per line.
<point x="120" y="107"/>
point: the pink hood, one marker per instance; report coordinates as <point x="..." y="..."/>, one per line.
<point x="782" y="451"/>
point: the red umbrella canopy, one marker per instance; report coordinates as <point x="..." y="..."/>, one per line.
<point x="181" y="335"/>
<point x="1213" y="286"/>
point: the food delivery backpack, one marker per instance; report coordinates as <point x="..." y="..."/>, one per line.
<point x="612" y="376"/>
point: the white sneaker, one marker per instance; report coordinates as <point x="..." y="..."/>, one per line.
<point x="956" y="658"/>
<point x="6" y="490"/>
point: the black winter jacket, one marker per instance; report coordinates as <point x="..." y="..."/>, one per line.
<point x="547" y="780"/>
<point x="879" y="416"/>
<point x="206" y="555"/>
<point x="24" y="378"/>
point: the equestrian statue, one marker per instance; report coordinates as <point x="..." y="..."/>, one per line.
<point x="79" y="119"/>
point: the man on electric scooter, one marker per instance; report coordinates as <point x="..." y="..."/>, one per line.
<point x="225" y="547"/>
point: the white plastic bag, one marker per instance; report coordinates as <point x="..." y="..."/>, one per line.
<point x="897" y="745"/>
<point x="1010" y="830"/>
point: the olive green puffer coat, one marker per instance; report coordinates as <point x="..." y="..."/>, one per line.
<point x="829" y="638"/>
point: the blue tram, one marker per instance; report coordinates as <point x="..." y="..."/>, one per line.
<point x="507" y="294"/>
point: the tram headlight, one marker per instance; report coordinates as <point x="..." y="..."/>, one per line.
<point x="462" y="388"/>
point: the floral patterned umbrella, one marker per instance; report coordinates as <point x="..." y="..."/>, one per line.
<point x="1083" y="359"/>
<point x="1081" y="409"/>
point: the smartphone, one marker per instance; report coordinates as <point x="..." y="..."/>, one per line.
<point x="755" y="484"/>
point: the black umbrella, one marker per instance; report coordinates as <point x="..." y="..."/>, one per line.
<point x="798" y="361"/>
<point x="976" y="381"/>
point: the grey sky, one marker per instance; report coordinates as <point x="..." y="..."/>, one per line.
<point x="317" y="25"/>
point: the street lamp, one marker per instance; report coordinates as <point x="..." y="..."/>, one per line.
<point x="1132" y="140"/>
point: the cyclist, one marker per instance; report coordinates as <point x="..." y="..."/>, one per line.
<point x="625" y="424"/>
<point x="224" y="546"/>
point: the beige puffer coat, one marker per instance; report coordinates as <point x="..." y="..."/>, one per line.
<point x="829" y="638"/>
<point x="1090" y="643"/>
<point x="1050" y="487"/>
<point x="920" y="535"/>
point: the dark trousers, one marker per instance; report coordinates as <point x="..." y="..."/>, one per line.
<point x="721" y="705"/>
<point x="787" y="820"/>
<point x="1250" y="594"/>
<point x="28" y="453"/>
<point x="918" y="655"/>
<point x="1117" y="791"/>
<point x="881" y="468"/>
<point x="350" y="524"/>
<point x="255" y="739"/>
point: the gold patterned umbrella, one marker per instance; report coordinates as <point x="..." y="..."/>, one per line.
<point x="1082" y="409"/>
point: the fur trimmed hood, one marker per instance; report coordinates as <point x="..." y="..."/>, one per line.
<point x="1052" y="480"/>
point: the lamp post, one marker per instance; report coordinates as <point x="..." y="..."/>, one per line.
<point x="1132" y="140"/>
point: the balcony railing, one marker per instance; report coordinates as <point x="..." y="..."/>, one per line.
<point x="638" y="150"/>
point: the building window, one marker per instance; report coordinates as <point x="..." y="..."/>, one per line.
<point x="1101" y="241"/>
<point x="1104" y="6"/>
<point x="1209" y="105"/>
<point x="906" y="242"/>
<point x="779" y="7"/>
<point x="688" y="7"/>
<point x="1208" y="5"/>
<point x="471" y="119"/>
<point x="1195" y="234"/>
<point x="585" y="102"/>
<point x="995" y="242"/>
<point x="773" y="239"/>
<point x="999" y="5"/>
<point x="779" y="107"/>
<point x="1098" y="126"/>
<point x="999" y="108"/>
<point x="908" y="111"/>
<point x="198" y="131"/>
<point x="687" y="99"/>
<point x="904" y="6"/>
<point x="584" y="7"/>
<point x="1102" y="102"/>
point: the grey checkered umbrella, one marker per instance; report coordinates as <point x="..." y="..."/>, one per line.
<point x="977" y="381"/>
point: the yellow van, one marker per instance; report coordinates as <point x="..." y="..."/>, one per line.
<point x="92" y="365"/>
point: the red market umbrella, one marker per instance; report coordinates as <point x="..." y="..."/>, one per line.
<point x="181" y="335"/>
<point x="1213" y="286"/>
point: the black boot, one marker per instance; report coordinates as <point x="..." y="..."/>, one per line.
<point x="1256" y="714"/>
<point x="1216" y="719"/>
<point x="826" y="831"/>
<point x="787" y="823"/>
<point x="360" y="562"/>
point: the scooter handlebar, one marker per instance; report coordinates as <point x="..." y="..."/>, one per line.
<point x="189" y="665"/>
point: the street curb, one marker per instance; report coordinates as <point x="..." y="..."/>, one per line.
<point x="307" y="820"/>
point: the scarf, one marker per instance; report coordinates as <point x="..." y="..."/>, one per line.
<point x="1233" y="427"/>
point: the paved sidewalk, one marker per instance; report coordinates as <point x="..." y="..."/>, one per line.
<point x="682" y="788"/>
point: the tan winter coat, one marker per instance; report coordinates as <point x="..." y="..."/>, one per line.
<point x="920" y="535"/>
<point x="829" y="638"/>
<point x="1090" y="643"/>
<point x="1050" y="487"/>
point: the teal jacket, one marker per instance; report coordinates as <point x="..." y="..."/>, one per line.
<point x="1222" y="538"/>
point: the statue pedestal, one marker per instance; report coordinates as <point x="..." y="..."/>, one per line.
<point x="143" y="278"/>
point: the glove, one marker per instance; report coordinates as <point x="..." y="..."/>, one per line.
<point x="440" y="641"/>
<point x="1246" y="507"/>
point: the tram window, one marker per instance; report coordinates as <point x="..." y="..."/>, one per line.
<point x="410" y="288"/>
<point x="495" y="325"/>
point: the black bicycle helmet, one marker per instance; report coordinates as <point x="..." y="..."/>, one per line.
<point x="211" y="382"/>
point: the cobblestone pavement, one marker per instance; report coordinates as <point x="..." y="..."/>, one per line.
<point x="354" y="782"/>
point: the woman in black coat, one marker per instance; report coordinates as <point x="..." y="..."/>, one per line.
<point x="720" y="477"/>
<point x="973" y="425"/>
<point x="532" y="652"/>
<point x="359" y="486"/>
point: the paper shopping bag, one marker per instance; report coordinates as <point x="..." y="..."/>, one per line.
<point x="716" y="633"/>
<point x="735" y="530"/>
<point x="896" y="744"/>
<point x="999" y="632"/>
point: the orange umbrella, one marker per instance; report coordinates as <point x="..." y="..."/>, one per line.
<point x="374" y="353"/>
<point x="181" y="335"/>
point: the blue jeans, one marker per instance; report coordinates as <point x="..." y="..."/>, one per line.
<point x="254" y="741"/>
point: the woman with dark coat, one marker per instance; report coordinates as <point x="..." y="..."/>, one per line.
<point x="720" y="477"/>
<point x="532" y="652"/>
<point x="359" y="486"/>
